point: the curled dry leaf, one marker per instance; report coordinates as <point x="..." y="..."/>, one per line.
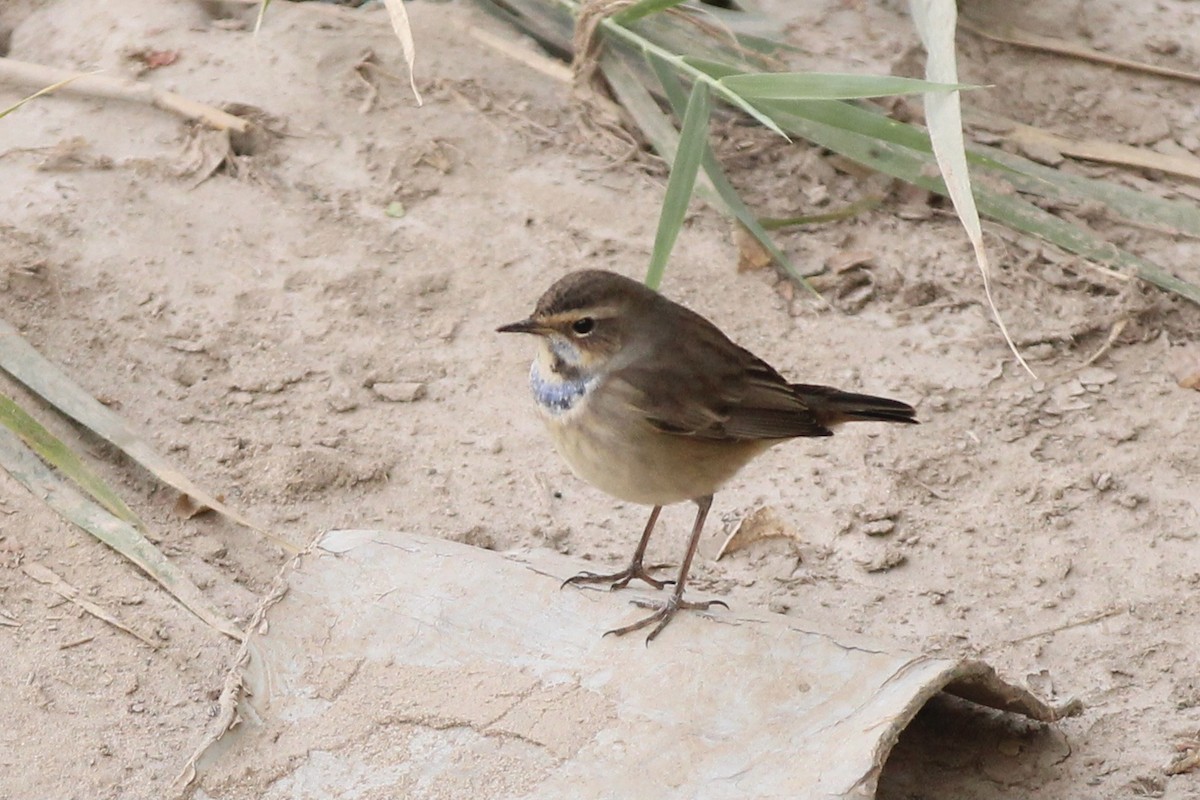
<point x="752" y="255"/>
<point x="762" y="523"/>
<point x="187" y="508"/>
<point x="845" y="260"/>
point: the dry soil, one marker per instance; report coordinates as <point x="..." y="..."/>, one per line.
<point x="307" y="328"/>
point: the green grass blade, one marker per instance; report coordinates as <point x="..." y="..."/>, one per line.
<point x="648" y="48"/>
<point x="58" y="455"/>
<point x="683" y="33"/>
<point x="699" y="53"/>
<point x="713" y="69"/>
<point x="1137" y="206"/>
<point x="730" y="199"/>
<point x="859" y="118"/>
<point x="654" y="124"/>
<point x="920" y="169"/>
<point x="1024" y="175"/>
<point x="46" y="380"/>
<point x="745" y="105"/>
<point x="635" y="98"/>
<point x="847" y="212"/>
<point x="693" y="137"/>
<point x="738" y="208"/>
<point x="643" y="8"/>
<point x="746" y="23"/>
<point x="716" y="190"/>
<point x="828" y="86"/>
<point x="1024" y="216"/>
<point x="25" y="467"/>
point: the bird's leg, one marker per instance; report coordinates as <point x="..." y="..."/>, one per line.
<point x="665" y="609"/>
<point x="620" y="580"/>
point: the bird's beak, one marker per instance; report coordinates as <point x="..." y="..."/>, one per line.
<point x="524" y="326"/>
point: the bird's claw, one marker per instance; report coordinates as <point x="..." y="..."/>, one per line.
<point x="665" y="610"/>
<point x="617" y="580"/>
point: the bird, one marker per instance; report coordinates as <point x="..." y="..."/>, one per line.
<point x="651" y="403"/>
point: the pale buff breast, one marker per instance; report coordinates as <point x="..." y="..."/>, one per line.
<point x="629" y="459"/>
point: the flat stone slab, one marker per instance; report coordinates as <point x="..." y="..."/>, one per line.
<point x="403" y="666"/>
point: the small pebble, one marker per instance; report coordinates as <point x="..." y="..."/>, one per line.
<point x="879" y="527"/>
<point x="875" y="514"/>
<point x="1131" y="501"/>
<point x="883" y="562"/>
<point x="208" y="547"/>
<point x="342" y="400"/>
<point x="1040" y="351"/>
<point x="1095" y="376"/>
<point x="399" y="392"/>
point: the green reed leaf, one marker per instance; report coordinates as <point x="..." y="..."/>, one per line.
<point x="693" y="138"/>
<point x="828" y="86"/>
<point x="27" y="469"/>
<point x="58" y="455"/>
<point x="643" y="8"/>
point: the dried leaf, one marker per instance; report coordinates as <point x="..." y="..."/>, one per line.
<point x="187" y="508"/>
<point x="751" y="254"/>
<point x="47" y="577"/>
<point x="763" y="523"/>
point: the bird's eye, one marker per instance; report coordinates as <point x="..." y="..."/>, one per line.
<point x="583" y="326"/>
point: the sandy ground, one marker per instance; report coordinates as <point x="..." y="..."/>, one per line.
<point x="254" y="322"/>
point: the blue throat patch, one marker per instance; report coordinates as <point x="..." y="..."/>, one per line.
<point x="557" y="396"/>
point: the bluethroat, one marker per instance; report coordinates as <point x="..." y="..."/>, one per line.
<point x="650" y="402"/>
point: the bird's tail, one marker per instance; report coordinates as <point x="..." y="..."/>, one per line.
<point x="833" y="406"/>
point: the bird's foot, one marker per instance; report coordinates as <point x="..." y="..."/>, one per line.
<point x="618" y="580"/>
<point x="664" y="611"/>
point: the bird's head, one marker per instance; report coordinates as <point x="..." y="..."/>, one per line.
<point x="586" y="319"/>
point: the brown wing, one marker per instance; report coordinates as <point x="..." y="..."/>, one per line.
<point x="706" y="386"/>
